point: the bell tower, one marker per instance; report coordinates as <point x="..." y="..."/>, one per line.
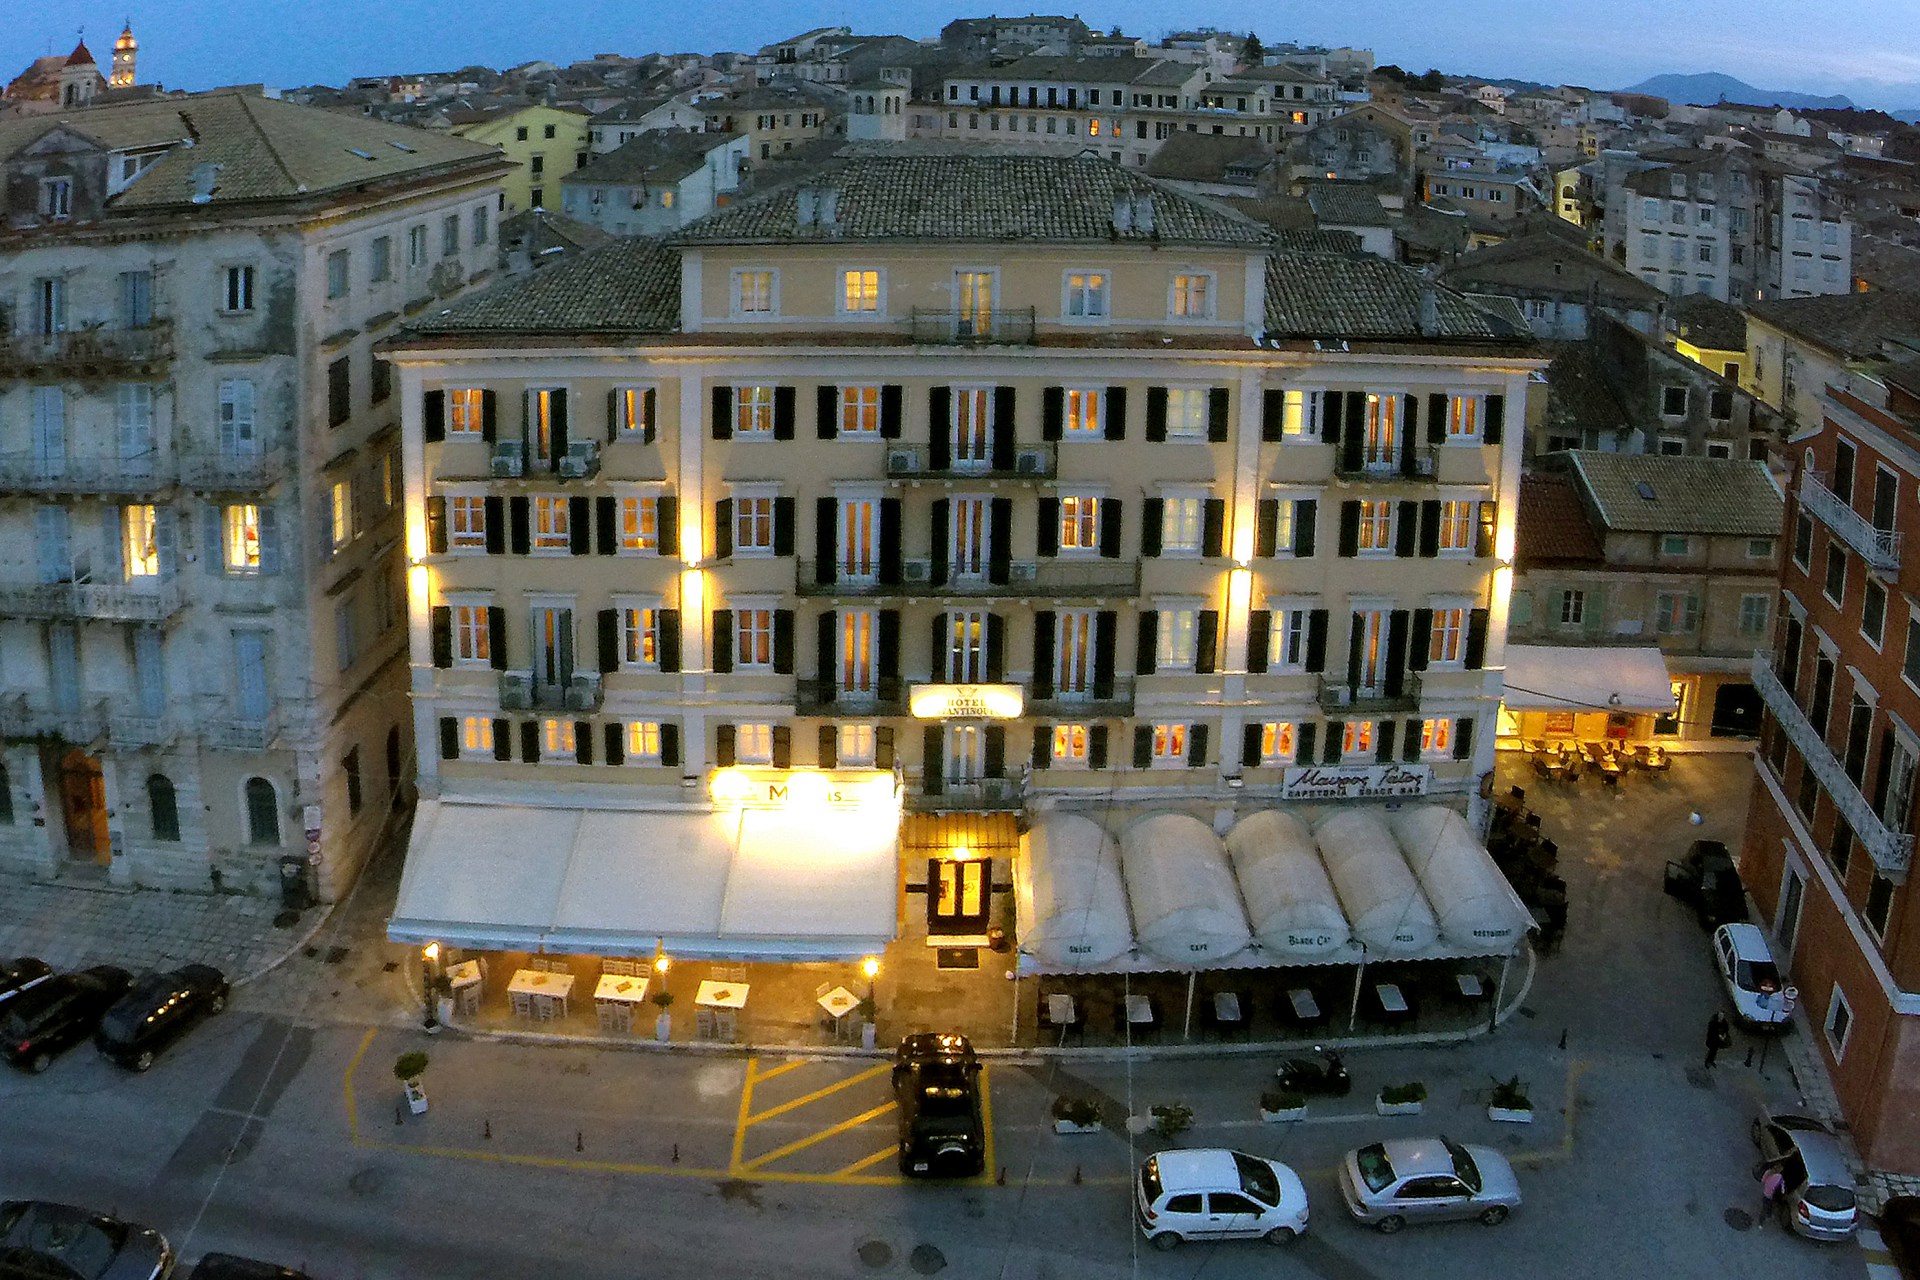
<point x="124" y="51"/>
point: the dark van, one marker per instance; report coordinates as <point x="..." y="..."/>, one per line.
<point x="159" y="1009"/>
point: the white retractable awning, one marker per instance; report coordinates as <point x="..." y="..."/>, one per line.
<point x="732" y="884"/>
<point x="1587" y="678"/>
<point x="1186" y="907"/>
<point x="1070" y="902"/>
<point x="1471" y="898"/>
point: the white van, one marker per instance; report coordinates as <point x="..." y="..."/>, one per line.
<point x="1752" y="980"/>
<point x="1215" y="1194"/>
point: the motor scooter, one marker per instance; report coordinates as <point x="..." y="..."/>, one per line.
<point x="1324" y="1074"/>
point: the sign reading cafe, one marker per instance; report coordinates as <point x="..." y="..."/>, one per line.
<point x="1356" y="782"/>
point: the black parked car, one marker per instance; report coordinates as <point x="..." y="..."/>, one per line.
<point x="936" y="1083"/>
<point x="59" y="1242"/>
<point x="227" y="1266"/>
<point x="1708" y="882"/>
<point x="160" y="1009"/>
<point x="20" y="974"/>
<point x="37" y="1025"/>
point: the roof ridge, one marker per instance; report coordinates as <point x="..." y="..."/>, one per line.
<point x="267" y="141"/>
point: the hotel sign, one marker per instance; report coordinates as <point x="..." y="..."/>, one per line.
<point x="965" y="701"/>
<point x="1356" y="782"/>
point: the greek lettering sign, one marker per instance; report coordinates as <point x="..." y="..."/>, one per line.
<point x="1356" y="782"/>
<point x="965" y="701"/>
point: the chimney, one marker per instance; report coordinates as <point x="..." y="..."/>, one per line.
<point x="1429" y="311"/>
<point x="1123" y="213"/>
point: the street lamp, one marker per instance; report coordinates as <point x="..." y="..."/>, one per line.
<point x="429" y="961"/>
<point x="871" y="967"/>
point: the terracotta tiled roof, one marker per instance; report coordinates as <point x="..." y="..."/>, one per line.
<point x="1653" y="493"/>
<point x="1552" y="525"/>
<point x="1851" y="324"/>
<point x="628" y="286"/>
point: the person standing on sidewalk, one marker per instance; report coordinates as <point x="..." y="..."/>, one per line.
<point x="1719" y="1036"/>
<point x="1773" y="1190"/>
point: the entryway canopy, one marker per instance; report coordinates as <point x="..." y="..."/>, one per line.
<point x="1587" y="678"/>
<point x="731" y="883"/>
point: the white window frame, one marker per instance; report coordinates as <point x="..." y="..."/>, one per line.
<point x="233" y="522"/>
<point x="1837" y="1044"/>
<point x="466" y="541"/>
<point x="856" y="746"/>
<point x="465" y="410"/>
<point x="1436" y="737"/>
<point x="1450" y="525"/>
<point x="842" y="278"/>
<point x="1287" y="630"/>
<point x="560" y="535"/>
<point x="636" y="502"/>
<point x="738" y="296"/>
<point x="1090" y="289"/>
<point x="239" y="284"/>
<point x="748" y="611"/>
<point x="1300" y="415"/>
<point x="1443" y="609"/>
<point x="1384" y="548"/>
<point x="1279" y="742"/>
<point x="640" y="744"/>
<point x="1179" y="309"/>
<point x="1177" y="637"/>
<point x="557" y="744"/>
<point x="1078" y="497"/>
<point x="753" y="743"/>
<point x="752" y="400"/>
<point x="1083" y="413"/>
<point x="1072" y="745"/>
<point x="631" y="620"/>
<point x="754" y="493"/>
<point x="1175" y="504"/>
<point x="859" y="419"/>
<point x="1357" y="739"/>
<point x="1189" y="412"/>
<point x="476" y="737"/>
<point x="630" y="400"/>
<point x="1466" y="417"/>
<point x="1170" y="741"/>
<point x="472" y="642"/>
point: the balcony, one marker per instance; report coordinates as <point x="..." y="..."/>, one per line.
<point x="90" y="601"/>
<point x="1419" y="468"/>
<point x="1030" y="462"/>
<point x="1026" y="579"/>
<point x="983" y="795"/>
<point x="1012" y="326"/>
<point x="20" y="718"/>
<point x="1880" y="548"/>
<point x="520" y="691"/>
<point x="1890" y="850"/>
<point x="1106" y="700"/>
<point x="87" y="353"/>
<point x="1338" y="695"/>
<point x="101" y="474"/>
<point x="141" y="731"/>
<point x="243" y="734"/>
<point x="888" y="697"/>
<point x="232" y="471"/>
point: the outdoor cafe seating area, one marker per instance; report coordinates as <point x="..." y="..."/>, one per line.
<point x="1530" y="861"/>
<point x="1604" y="759"/>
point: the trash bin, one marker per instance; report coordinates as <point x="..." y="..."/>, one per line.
<point x="294" y="895"/>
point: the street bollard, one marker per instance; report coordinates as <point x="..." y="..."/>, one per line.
<point x="1563" y="1039"/>
<point x="676" y="1153"/>
<point x="1076" y="1175"/>
<point x="579" y="1143"/>
<point x="486" y="1129"/>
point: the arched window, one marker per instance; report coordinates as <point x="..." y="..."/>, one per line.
<point x="161" y="804"/>
<point x="263" y="812"/>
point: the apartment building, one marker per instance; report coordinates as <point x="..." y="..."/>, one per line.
<point x="1059" y="490"/>
<point x="1829" y="838"/>
<point x="201" y="650"/>
<point x="1798" y="347"/>
<point x="655" y="183"/>
<point x="545" y="143"/>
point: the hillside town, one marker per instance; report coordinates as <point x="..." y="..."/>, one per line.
<point x="1291" y="557"/>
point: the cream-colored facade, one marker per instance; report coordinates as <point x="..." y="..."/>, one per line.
<point x="200" y="579"/>
<point x="546" y="143"/>
<point x="1034" y="524"/>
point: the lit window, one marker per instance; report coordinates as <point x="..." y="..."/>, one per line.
<point x="1456" y="526"/>
<point x="639" y="636"/>
<point x="753" y="411"/>
<point x="753" y="524"/>
<point x="1070" y="744"/>
<point x="640" y="524"/>
<point x="465" y="413"/>
<point x="1169" y="744"/>
<point x="1086" y="295"/>
<point x="1079" y="523"/>
<point x="476" y="737"/>
<point x="856" y="745"/>
<point x="1287" y="640"/>
<point x="860" y="411"/>
<point x="1463" y="416"/>
<point x="340" y="518"/>
<point x="557" y="738"/>
<point x="1276" y="742"/>
<point x="1436" y="737"/>
<point x="633" y="411"/>
<point x="467" y="523"/>
<point x="1447" y="629"/>
<point x="753" y="637"/>
<point x="1177" y="639"/>
<point x="550" y="525"/>
<point x="1181" y="524"/>
<point x="1376" y="526"/>
<point x="753" y="293"/>
<point x="1357" y="739"/>
<point x="1082" y="407"/>
<point x="753" y="743"/>
<point x="860" y="292"/>
<point x="1193" y="297"/>
<point x="472" y="639"/>
<point x="140" y="545"/>
<point x="1294" y="415"/>
<point x="242" y="538"/>
<point x="643" y="742"/>
<point x="1187" y="413"/>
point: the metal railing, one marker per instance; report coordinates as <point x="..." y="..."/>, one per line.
<point x="1880" y="548"/>
<point x="1420" y="467"/>
<point x="1004" y="325"/>
<point x="887" y="697"/>
<point x="84" y="351"/>
<point x="1060" y="577"/>
<point x="240" y="734"/>
<point x="981" y="795"/>
<point x="101" y="473"/>
<point x="1030" y="462"/>
<point x="1105" y="699"/>
<point x="1338" y="695"/>
<point x="141" y="731"/>
<point x="109" y="603"/>
<point x="20" y="717"/>
<point x="232" y="470"/>
<point x="1890" y="850"/>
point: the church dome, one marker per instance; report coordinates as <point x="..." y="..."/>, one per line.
<point x="126" y="43"/>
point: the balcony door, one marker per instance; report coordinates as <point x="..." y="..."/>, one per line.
<point x="1074" y="654"/>
<point x="972" y="437"/>
<point x="552" y="646"/>
<point x="250" y="673"/>
<point x="859" y="646"/>
<point x="970" y="533"/>
<point x="973" y="299"/>
<point x="1369" y="675"/>
<point x="965" y="754"/>
<point x="859" y="540"/>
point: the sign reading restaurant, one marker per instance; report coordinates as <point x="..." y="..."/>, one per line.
<point x="1356" y="782"/>
<point x="965" y="701"/>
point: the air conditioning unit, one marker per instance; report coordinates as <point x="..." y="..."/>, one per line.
<point x="582" y="461"/>
<point x="903" y="462"/>
<point x="516" y="690"/>
<point x="916" y="571"/>
<point x="583" y="694"/>
<point x="1024" y="571"/>
<point x="1030" y="462"/>
<point x="509" y="460"/>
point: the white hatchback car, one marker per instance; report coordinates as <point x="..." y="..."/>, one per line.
<point x="1216" y="1194"/>
<point x="1753" y="983"/>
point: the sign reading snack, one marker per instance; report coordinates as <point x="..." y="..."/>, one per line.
<point x="1356" y="782"/>
<point x="965" y="701"/>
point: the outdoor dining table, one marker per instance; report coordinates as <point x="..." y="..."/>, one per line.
<point x="621" y="988"/>
<point x="1060" y="1010"/>
<point x="542" y="987"/>
<point x="1469" y="984"/>
<point x="722" y="995"/>
<point x="1392" y="1001"/>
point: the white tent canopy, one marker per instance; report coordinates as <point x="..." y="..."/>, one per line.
<point x="1383" y="902"/>
<point x="1587" y="678"/>
<point x="729" y="884"/>
<point x="1186" y="908"/>
<point x="1069" y="901"/>
<point x="1291" y="904"/>
<point x="1472" y="900"/>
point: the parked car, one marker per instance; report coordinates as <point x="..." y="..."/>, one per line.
<point x="936" y="1083"/>
<point x="1707" y="881"/>
<point x="1390" y="1184"/>
<point x="227" y="1266"/>
<point x="1753" y="983"/>
<point x="61" y="1242"/>
<point x="1818" y="1200"/>
<point x="38" y="1025"/>
<point x="1215" y="1194"/>
<point x="160" y="1009"/>
<point x="23" y="973"/>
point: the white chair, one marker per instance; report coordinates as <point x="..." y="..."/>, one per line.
<point x="467" y="999"/>
<point x="725" y="1025"/>
<point x="543" y="1008"/>
<point x="521" y="1002"/>
<point x="703" y="1024"/>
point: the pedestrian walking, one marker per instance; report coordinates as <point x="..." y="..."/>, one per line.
<point x="1719" y="1036"/>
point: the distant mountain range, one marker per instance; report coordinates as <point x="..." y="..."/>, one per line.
<point x="1708" y="87"/>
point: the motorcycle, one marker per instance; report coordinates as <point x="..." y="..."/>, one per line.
<point x="1325" y="1074"/>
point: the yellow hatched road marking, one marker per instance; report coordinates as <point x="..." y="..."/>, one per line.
<point x="740" y="1120"/>
<point x="801" y="1144"/>
<point x="867" y="1162"/>
<point x="761" y="1077"/>
<point x="986" y="1123"/>
<point x="815" y="1096"/>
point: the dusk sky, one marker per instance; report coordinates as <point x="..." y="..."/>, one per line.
<point x="1867" y="49"/>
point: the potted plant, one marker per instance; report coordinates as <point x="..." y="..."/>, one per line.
<point x="1075" y="1115"/>
<point x="1171" y="1119"/>
<point x="1278" y="1105"/>
<point x="663" y="1024"/>
<point x="407" y="1069"/>
<point x="1510" y="1103"/>
<point x="1401" y="1099"/>
<point x="868" y="1011"/>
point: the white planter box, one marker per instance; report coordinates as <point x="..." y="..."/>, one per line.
<point x="663" y="1027"/>
<point x="869" y="1034"/>
<point x="1068" y="1126"/>
<point x="416" y="1097"/>
<point x="1511" y="1115"/>
<point x="1283" y="1117"/>
<point x="1397" y="1108"/>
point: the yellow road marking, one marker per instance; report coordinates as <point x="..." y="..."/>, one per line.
<point x="867" y="1162"/>
<point x="346" y="1084"/>
<point x="740" y="1120"/>
<point x="801" y="1144"/>
<point x="760" y="1077"/>
<point x="816" y="1095"/>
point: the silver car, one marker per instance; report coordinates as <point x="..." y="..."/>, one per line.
<point x="1817" y="1198"/>
<point x="1390" y="1184"/>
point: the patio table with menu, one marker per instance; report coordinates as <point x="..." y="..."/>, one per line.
<point x="721" y="995"/>
<point x="541" y="985"/>
<point x="621" y="988"/>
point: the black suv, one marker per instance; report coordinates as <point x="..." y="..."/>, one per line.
<point x="936" y="1083"/>
<point x="160" y="1009"/>
<point x="1708" y="882"/>
<point x="21" y="973"/>
<point x="57" y="1014"/>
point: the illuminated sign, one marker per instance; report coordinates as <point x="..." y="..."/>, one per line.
<point x="965" y="701"/>
<point x="800" y="788"/>
<point x="1356" y="782"/>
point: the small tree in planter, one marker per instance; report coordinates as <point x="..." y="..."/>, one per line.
<point x="407" y="1069"/>
<point x="1509" y="1102"/>
<point x="868" y="1011"/>
<point x="1278" y="1105"/>
<point x="1171" y="1119"/>
<point x="662" y="1024"/>
<point x="1401" y="1099"/>
<point x="1075" y="1115"/>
